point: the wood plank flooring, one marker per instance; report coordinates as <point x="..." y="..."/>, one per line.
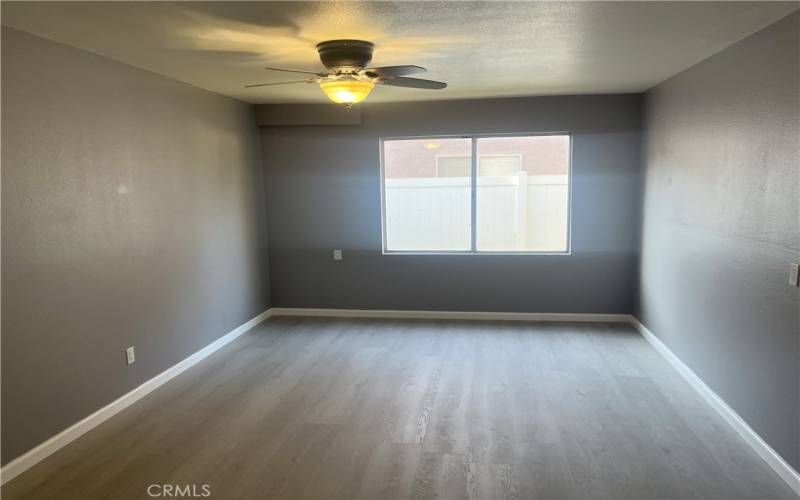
<point x="408" y="409"/>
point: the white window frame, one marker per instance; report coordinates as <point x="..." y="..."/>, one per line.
<point x="474" y="195"/>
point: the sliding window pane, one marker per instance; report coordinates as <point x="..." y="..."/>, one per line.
<point x="523" y="194"/>
<point x="427" y="194"/>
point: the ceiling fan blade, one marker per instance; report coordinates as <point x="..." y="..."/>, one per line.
<point x="276" y="83"/>
<point x="392" y="71"/>
<point x="296" y="71"/>
<point x="414" y="83"/>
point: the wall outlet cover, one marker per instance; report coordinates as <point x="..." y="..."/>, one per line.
<point x="337" y="255"/>
<point x="130" y="355"/>
<point x="794" y="274"/>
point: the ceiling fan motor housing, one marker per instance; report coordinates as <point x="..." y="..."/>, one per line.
<point x="345" y="53"/>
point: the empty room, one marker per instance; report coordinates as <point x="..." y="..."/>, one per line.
<point x="385" y="250"/>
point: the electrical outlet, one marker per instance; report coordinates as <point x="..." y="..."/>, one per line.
<point x="337" y="255"/>
<point x="794" y="274"/>
<point x="130" y="355"/>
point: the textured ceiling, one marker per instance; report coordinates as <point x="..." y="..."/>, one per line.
<point x="482" y="49"/>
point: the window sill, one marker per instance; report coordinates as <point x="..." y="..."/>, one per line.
<point x="421" y="252"/>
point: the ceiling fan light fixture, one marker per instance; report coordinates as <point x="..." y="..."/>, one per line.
<point x="347" y="79"/>
<point x="347" y="91"/>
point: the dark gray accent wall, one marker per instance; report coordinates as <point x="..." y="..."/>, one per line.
<point x="132" y="214"/>
<point x="323" y="193"/>
<point x="720" y="227"/>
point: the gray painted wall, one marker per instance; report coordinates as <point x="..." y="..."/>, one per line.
<point x="720" y="227"/>
<point x="323" y="192"/>
<point x="132" y="214"/>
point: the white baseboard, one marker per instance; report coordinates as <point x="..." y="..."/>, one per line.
<point x="496" y="316"/>
<point x="55" y="443"/>
<point x="765" y="451"/>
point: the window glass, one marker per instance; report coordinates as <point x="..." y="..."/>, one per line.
<point x="523" y="194"/>
<point x="520" y="202"/>
<point x="423" y="209"/>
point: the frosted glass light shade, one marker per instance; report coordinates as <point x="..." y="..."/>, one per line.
<point x="346" y="91"/>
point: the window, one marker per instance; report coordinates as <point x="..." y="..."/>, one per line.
<point x="453" y="166"/>
<point x="461" y="166"/>
<point x="514" y="197"/>
<point x="424" y="212"/>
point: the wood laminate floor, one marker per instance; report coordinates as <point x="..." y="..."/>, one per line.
<point x="391" y="409"/>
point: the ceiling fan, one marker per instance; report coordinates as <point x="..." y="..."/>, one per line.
<point x="348" y="80"/>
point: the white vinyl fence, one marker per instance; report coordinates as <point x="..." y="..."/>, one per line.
<point x="515" y="213"/>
